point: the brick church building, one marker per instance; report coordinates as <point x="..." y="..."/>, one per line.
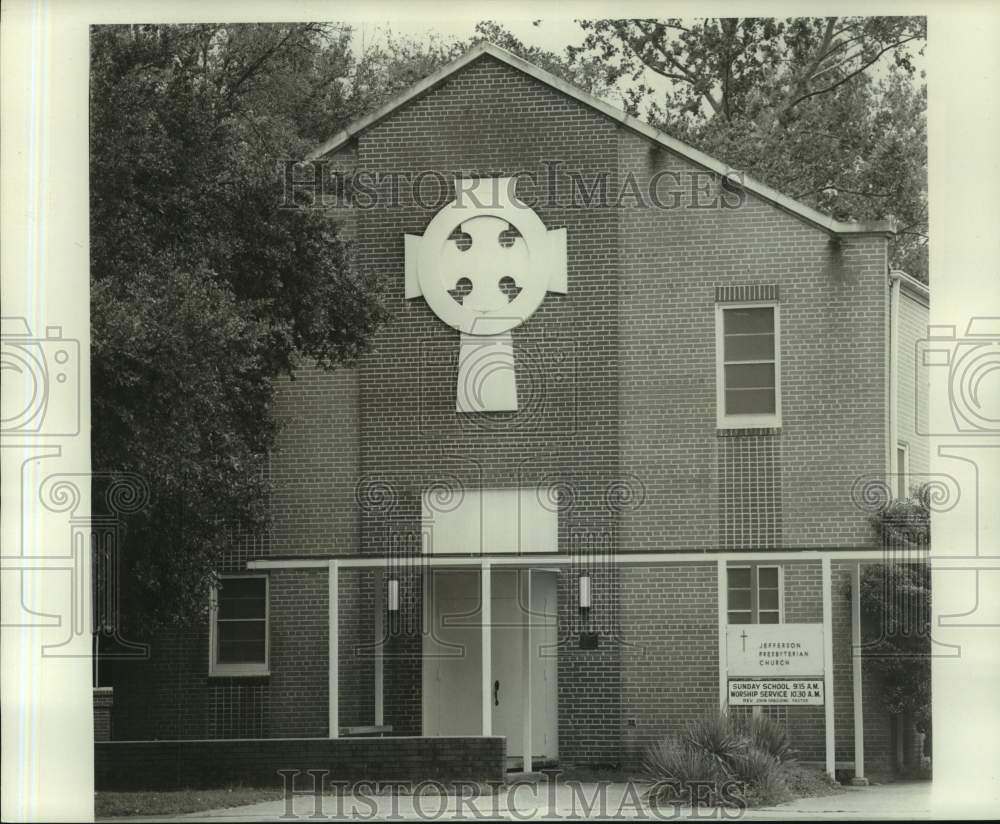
<point x="628" y="416"/>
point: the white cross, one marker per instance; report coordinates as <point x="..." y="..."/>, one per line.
<point x="435" y="264"/>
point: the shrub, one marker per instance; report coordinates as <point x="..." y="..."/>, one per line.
<point x="674" y="766"/>
<point x="719" y="738"/>
<point x="735" y="760"/>
<point x="768" y="735"/>
<point x="762" y="776"/>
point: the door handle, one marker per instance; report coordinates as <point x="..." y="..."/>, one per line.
<point x="496" y="693"/>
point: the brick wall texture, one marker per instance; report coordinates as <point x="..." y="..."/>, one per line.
<point x="169" y="765"/>
<point x="617" y="389"/>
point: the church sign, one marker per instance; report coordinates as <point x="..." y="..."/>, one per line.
<point x="774" y="650"/>
<point x="775" y="691"/>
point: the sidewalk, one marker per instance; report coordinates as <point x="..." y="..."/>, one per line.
<point x="903" y="800"/>
<point x="900" y="800"/>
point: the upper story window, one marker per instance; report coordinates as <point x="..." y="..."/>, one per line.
<point x="748" y="365"/>
<point x="238" y="636"/>
<point x="754" y="594"/>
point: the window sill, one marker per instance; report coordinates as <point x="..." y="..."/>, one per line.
<point x="238" y="672"/>
<point x="746" y="431"/>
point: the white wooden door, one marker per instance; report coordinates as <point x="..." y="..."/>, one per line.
<point x="452" y="654"/>
<point x="514" y="623"/>
<point x="452" y="657"/>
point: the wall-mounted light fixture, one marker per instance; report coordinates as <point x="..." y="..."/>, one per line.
<point x="393" y="595"/>
<point x="584" y="592"/>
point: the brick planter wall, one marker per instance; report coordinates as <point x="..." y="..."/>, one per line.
<point x="166" y="765"/>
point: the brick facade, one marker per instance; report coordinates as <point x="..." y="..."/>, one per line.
<point x="617" y="388"/>
<point x="168" y="765"/>
<point x="670" y="651"/>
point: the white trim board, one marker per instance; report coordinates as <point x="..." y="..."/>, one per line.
<point x="633" y="558"/>
<point x="431" y="82"/>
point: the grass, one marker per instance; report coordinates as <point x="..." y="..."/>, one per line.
<point x="177" y="802"/>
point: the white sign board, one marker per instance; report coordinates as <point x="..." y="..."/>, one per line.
<point x="490" y="521"/>
<point x="774" y="650"/>
<point x="747" y="692"/>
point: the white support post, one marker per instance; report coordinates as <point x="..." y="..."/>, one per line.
<point x="723" y="621"/>
<point x="334" y="651"/>
<point x="859" y="718"/>
<point x="485" y="597"/>
<point x="828" y="697"/>
<point x="379" y="632"/>
<point x="526" y="691"/>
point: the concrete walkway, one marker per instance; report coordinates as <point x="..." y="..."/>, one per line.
<point x="904" y="800"/>
<point x="900" y="800"/>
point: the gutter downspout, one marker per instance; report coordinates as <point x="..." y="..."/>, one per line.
<point x="894" y="283"/>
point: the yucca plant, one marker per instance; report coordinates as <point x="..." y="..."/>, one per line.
<point x="738" y="758"/>
<point x="719" y="737"/>
<point x="762" y="776"/>
<point x="672" y="766"/>
<point x="768" y="735"/>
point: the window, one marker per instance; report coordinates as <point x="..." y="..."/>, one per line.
<point x="748" y="365"/>
<point x="902" y="470"/>
<point x="754" y="594"/>
<point x="238" y="629"/>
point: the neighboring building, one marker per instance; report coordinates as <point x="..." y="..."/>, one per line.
<point x="706" y="388"/>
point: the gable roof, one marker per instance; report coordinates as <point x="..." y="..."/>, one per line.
<point x="429" y="83"/>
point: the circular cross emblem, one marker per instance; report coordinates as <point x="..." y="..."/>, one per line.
<point x="486" y="260"/>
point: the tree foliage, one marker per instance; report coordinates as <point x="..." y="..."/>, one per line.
<point x="896" y="610"/>
<point x="823" y="109"/>
<point x="203" y="290"/>
<point x="590" y="75"/>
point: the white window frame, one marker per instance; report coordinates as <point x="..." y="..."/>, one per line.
<point x="215" y="669"/>
<point x="745" y="421"/>
<point x="904" y="479"/>
<point x="755" y="592"/>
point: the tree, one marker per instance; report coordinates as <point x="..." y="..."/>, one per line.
<point x="203" y="289"/>
<point x="823" y="109"/>
<point x="896" y="611"/>
<point x="589" y="75"/>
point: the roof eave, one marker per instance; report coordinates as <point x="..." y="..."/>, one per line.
<point x="806" y="213"/>
<point x="913" y="285"/>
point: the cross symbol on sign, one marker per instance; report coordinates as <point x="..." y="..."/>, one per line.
<point x="744" y="636"/>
